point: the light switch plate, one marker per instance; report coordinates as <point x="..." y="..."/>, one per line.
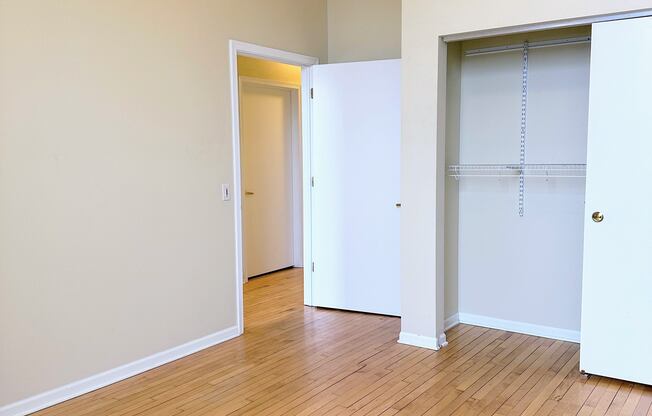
<point x="226" y="192"/>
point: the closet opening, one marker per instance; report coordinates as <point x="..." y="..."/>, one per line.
<point x="516" y="140"/>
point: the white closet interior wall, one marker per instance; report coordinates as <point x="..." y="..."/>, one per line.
<point x="503" y="270"/>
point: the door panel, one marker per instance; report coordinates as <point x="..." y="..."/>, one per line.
<point x="616" y="338"/>
<point x="266" y="148"/>
<point x="355" y="164"/>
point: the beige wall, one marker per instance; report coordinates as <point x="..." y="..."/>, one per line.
<point x="114" y="139"/>
<point x="423" y="132"/>
<point x="264" y="69"/>
<point x="363" y="30"/>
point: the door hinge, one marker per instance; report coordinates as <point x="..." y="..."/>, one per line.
<point x="312" y="181"/>
<point x="312" y="268"/>
<point x="312" y="93"/>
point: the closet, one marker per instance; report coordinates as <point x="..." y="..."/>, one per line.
<point x="529" y="246"/>
<point x="516" y="168"/>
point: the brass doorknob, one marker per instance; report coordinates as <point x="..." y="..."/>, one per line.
<point x="597" y="216"/>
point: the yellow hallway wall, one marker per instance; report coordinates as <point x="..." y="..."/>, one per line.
<point x="274" y="71"/>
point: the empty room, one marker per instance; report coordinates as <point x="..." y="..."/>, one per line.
<point x="325" y="207"/>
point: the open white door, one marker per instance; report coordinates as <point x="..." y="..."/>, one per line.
<point x="616" y="337"/>
<point x="355" y="166"/>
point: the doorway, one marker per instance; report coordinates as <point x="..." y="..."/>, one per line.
<point x="350" y="146"/>
<point x="269" y="165"/>
<point x="270" y="152"/>
<point x="271" y="194"/>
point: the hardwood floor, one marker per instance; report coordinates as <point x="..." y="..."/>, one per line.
<point x="296" y="360"/>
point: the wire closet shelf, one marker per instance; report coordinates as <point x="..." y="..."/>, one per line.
<point x="532" y="170"/>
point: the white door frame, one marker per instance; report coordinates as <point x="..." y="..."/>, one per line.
<point x="296" y="151"/>
<point x="249" y="49"/>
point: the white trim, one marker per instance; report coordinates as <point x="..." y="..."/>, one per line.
<point x="77" y="388"/>
<point x="556" y="24"/>
<point x="297" y="179"/>
<point x="418" y="341"/>
<point x="306" y="157"/>
<point x="520" y="327"/>
<point x="249" y="49"/>
<point x="451" y="321"/>
<point x="237" y="188"/>
<point x="277" y="55"/>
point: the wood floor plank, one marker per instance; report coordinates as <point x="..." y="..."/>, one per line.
<point x="544" y="393"/>
<point x="302" y="361"/>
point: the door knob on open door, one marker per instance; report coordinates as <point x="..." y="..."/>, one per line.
<point x="248" y="193"/>
<point x="597" y="216"/>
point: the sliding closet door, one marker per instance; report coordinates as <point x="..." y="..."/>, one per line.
<point x="617" y="283"/>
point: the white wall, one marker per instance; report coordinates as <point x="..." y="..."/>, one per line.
<point x="115" y="136"/>
<point x="363" y="30"/>
<point x="423" y="132"/>
<point x="451" y="231"/>
<point x="522" y="269"/>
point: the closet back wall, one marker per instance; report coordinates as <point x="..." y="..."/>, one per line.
<point x="523" y="270"/>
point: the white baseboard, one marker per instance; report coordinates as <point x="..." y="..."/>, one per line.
<point x="521" y="327"/>
<point x="451" y="321"/>
<point x="429" y="342"/>
<point x="77" y="388"/>
<point x="418" y="341"/>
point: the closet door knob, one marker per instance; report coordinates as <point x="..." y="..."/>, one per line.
<point x="597" y="216"/>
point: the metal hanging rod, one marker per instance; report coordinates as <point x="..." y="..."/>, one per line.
<point x="531" y="45"/>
